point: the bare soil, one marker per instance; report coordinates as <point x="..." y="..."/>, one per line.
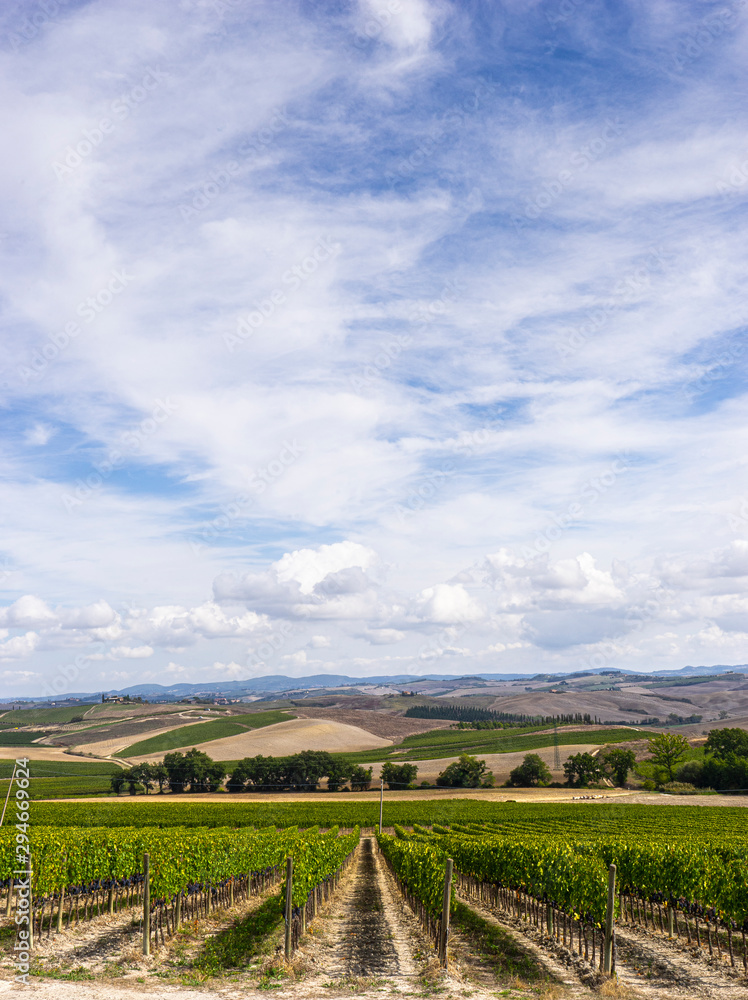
<point x="390" y="727"/>
<point x="648" y="967"/>
<point x="286" y="738"/>
<point x="119" y="734"/>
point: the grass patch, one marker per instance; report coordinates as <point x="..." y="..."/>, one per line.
<point x="240" y="945"/>
<point x="496" y="948"/>
<point x="52" y="779"/>
<point x="62" y="768"/>
<point x="439" y="743"/>
<point x="204" y="732"/>
<point x="75" y="975"/>
<point x="17" y="738"/>
<point x="40" y="716"/>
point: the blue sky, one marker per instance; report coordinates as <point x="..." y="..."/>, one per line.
<point x="381" y="336"/>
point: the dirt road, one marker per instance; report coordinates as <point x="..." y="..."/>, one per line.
<point x="366" y="932"/>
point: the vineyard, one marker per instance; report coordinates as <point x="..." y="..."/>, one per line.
<point x="694" y="885"/>
<point x="577" y="880"/>
<point x="174" y="875"/>
<point x="562" y="819"/>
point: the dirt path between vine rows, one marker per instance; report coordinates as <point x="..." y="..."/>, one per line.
<point x="369" y="943"/>
<point x="648" y="968"/>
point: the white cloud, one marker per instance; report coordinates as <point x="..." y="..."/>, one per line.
<point x="131" y="652"/>
<point x="28" y="611"/>
<point x="406" y="24"/>
<point x="309" y="567"/>
<point x="447" y="604"/>
<point x="320" y="642"/>
<point x="346" y="467"/>
<point x="39" y="435"/>
<point x="19" y="647"/>
<point x="384" y="636"/>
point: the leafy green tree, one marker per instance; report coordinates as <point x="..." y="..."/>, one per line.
<point x="667" y="750"/>
<point x="338" y="773"/>
<point x="467" y="772"/>
<point x="306" y="768"/>
<point x="118" y="781"/>
<point x="194" y="769"/>
<point x="398" y="775"/>
<point x="531" y="772"/>
<point x="582" y="768"/>
<point x="724" y="741"/>
<point x="160" y="776"/>
<point x="692" y="773"/>
<point x="176" y="770"/>
<point x="143" y="774"/>
<point x="360" y="778"/>
<point x="617" y="763"/>
<point x="132" y="779"/>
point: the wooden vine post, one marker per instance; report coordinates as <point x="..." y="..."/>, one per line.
<point x="381" y="802"/>
<point x="609" y="914"/>
<point x="60" y="907"/>
<point x="444" y="929"/>
<point x="289" y="904"/>
<point x="146" y="905"/>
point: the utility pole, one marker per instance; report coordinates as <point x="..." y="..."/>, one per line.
<point x="289" y="904"/>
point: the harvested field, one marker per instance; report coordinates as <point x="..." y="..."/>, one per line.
<point x="289" y="737"/>
<point x="38" y="752"/>
<point x="121" y="740"/>
<point x="616" y="705"/>
<point x="124" y="732"/>
<point x="389" y="727"/>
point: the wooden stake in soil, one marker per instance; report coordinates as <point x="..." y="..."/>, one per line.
<point x="60" y="911"/>
<point x="444" y="929"/>
<point x="609" y="913"/>
<point x="289" y="894"/>
<point x="146" y="905"/>
<point x="381" y="802"/>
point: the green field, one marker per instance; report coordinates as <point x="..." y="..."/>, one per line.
<point x="16" y="738"/>
<point x="51" y="779"/>
<point x="40" y="716"/>
<point x="452" y="742"/>
<point x="660" y="822"/>
<point x="218" y="729"/>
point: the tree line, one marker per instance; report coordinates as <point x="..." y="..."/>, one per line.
<point x="723" y="768"/>
<point x="195" y="771"/>
<point x="471" y="717"/>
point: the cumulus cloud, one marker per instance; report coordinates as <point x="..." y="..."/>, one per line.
<point x="28" y="612"/>
<point x="19" y="647"/>
<point x="447" y="604"/>
<point x="131" y="652"/>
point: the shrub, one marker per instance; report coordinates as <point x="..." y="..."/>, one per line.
<point x="679" y="788"/>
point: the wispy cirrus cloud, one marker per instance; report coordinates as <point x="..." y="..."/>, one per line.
<point x="532" y="206"/>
